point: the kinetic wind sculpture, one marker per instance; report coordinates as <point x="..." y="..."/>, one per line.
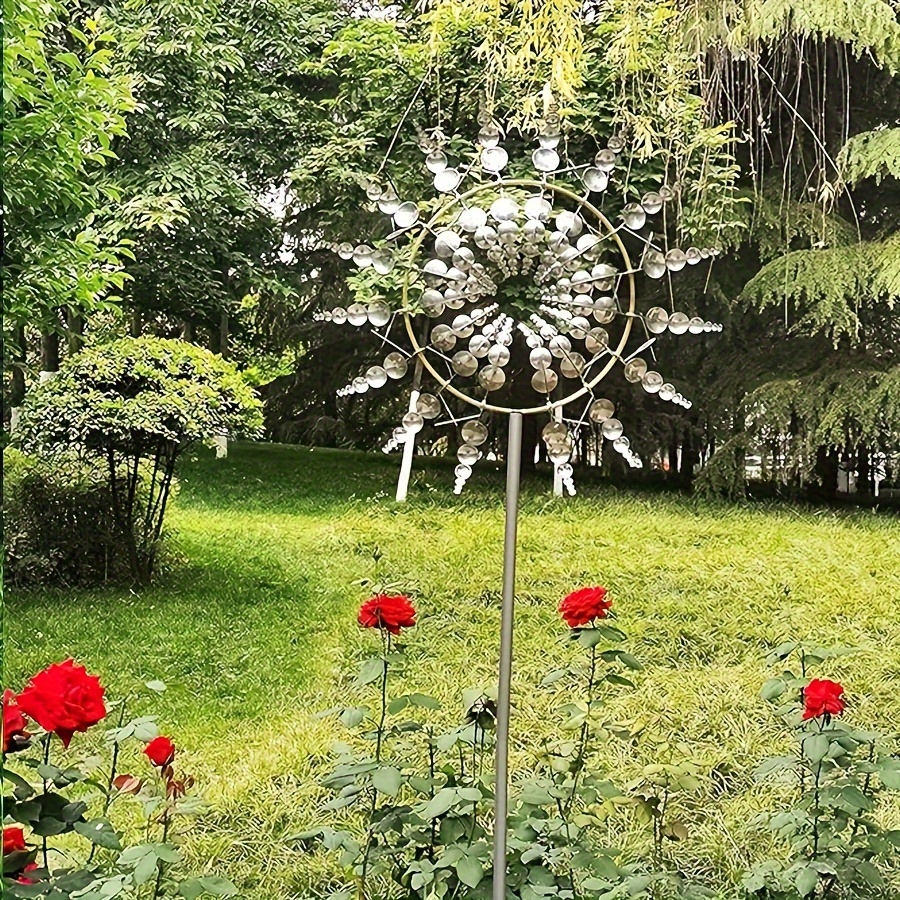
<point x="506" y="261"/>
<point x="518" y="296"/>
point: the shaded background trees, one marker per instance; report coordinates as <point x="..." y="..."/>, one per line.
<point x="240" y="137"/>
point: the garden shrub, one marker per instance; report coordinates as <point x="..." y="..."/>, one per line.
<point x="134" y="406"/>
<point x="59" y="522"/>
<point x="65" y="834"/>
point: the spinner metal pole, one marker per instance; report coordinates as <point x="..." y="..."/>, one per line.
<point x="501" y="787"/>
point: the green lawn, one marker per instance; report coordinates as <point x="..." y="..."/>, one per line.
<point x="255" y="623"/>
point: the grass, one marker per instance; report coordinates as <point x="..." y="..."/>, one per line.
<point x="253" y="630"/>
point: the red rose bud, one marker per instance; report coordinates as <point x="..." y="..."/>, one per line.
<point x="389" y="611"/>
<point x="13" y="840"/>
<point x="160" y="751"/>
<point x="13" y="722"/>
<point x="584" y="605"/>
<point x="822" y="697"/>
<point x="64" y="699"/>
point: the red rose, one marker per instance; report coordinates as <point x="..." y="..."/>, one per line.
<point x="389" y="611"/>
<point x="31" y="867"/>
<point x="13" y="840"/>
<point x="64" y="699"/>
<point x="13" y="721"/>
<point x="822" y="697"/>
<point x="160" y="751"/>
<point x="584" y="605"/>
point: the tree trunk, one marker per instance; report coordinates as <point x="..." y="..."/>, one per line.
<point x="865" y="473"/>
<point x="50" y="352"/>
<point x="690" y="456"/>
<point x="17" y="381"/>
<point x="188" y="332"/>
<point x="75" y="325"/>
<point x="137" y="323"/>
<point x="223" y="333"/>
<point x="673" y="456"/>
<point x="826" y="470"/>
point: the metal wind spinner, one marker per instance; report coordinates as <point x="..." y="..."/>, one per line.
<point x="518" y="295"/>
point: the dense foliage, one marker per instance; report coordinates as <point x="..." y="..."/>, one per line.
<point x="136" y="405"/>
<point x="237" y="139"/>
<point x="59" y="527"/>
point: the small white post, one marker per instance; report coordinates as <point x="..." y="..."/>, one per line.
<point x="221" y="442"/>
<point x="409" y="445"/>
<point x="557" y="478"/>
<point x="14" y="413"/>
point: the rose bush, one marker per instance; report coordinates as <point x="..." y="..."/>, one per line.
<point x="412" y="803"/>
<point x="52" y="798"/>
<point x="831" y="786"/>
<point x="425" y="794"/>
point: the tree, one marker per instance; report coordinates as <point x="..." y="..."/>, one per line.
<point x="64" y="104"/>
<point x="817" y="101"/>
<point x="223" y="113"/>
<point x="138" y="404"/>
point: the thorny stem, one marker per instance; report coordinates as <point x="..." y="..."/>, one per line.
<point x="386" y="637"/>
<point x="379" y="740"/>
<point x="579" y="760"/>
<point x="431" y="769"/>
<point x="47" y="739"/>
<point x="159" y="871"/>
<point x="867" y="783"/>
<point x="112" y="776"/>
<point x="816" y="786"/>
<point x="584" y="734"/>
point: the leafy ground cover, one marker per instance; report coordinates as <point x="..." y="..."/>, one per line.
<point x="254" y="622"/>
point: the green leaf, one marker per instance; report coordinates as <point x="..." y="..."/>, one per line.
<point x="638" y="883"/>
<point x="889" y="772"/>
<point x="387" y="780"/>
<point x="398" y="704"/>
<point x="613" y="678"/>
<point x="815" y="747"/>
<point x="630" y="661"/>
<point x="806" y="881"/>
<point x="146" y="868"/>
<point x="772" y="689"/>
<point x="371" y="670"/>
<point x="191" y="889"/>
<point x="589" y="637"/>
<point x="781" y="652"/>
<point x="869" y="873"/>
<point x="424" y="701"/>
<point x="100" y="832"/>
<point x="352" y="716"/>
<point x="23" y="789"/>
<point x="853" y="797"/>
<point x="611" y="633"/>
<point x="156" y="685"/>
<point x="218" y="886"/>
<point x="440" y="803"/>
<point x="553" y="677"/>
<point x="470" y="871"/>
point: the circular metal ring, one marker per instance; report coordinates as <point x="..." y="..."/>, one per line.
<point x="419" y="350"/>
